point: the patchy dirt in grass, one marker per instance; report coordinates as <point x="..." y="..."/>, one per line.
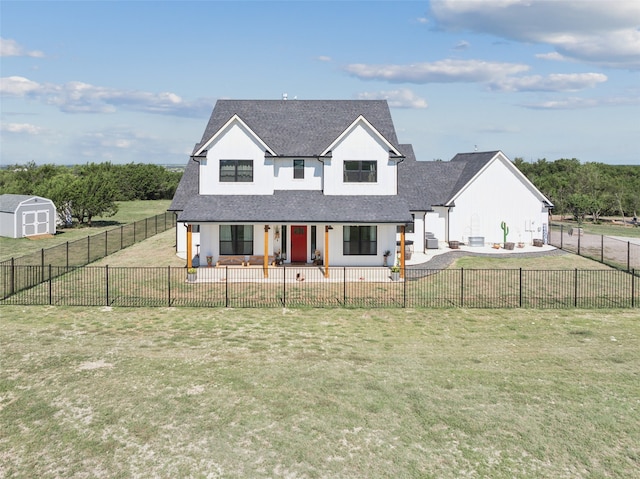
<point x="88" y="366"/>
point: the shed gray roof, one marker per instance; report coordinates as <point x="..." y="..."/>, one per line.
<point x="300" y="127"/>
<point x="292" y="206"/>
<point x="9" y="203"/>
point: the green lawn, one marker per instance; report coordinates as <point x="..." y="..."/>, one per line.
<point x="128" y="212"/>
<point x="318" y="393"/>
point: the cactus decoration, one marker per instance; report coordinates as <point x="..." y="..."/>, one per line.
<point x="505" y="230"/>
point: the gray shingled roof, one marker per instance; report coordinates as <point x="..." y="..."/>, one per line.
<point x="473" y="162"/>
<point x="424" y="184"/>
<point x="188" y="186"/>
<point x="292" y="206"/>
<point x="9" y="203"/>
<point x="300" y="127"/>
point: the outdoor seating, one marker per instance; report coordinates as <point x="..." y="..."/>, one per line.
<point x="258" y="260"/>
<point x="230" y="260"/>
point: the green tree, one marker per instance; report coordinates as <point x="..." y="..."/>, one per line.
<point x="94" y="193"/>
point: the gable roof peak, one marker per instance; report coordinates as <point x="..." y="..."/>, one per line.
<point x="300" y="127"/>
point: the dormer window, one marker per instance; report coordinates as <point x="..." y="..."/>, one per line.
<point x="360" y="172"/>
<point x="298" y="169"/>
<point x="236" y="171"/>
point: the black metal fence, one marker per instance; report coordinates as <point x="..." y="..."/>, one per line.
<point x="309" y="287"/>
<point x="621" y="254"/>
<point x="79" y="252"/>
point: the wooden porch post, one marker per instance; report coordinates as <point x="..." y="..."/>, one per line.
<point x="326" y="250"/>
<point x="402" y="251"/>
<point x="266" y="251"/>
<point x="189" y="246"/>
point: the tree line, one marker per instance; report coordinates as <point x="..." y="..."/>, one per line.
<point x="586" y="190"/>
<point x="83" y="192"/>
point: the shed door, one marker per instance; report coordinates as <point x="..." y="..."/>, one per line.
<point x="35" y="222"/>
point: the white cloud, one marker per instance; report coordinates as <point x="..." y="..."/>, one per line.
<point x="552" y="56"/>
<point x="21" y="128"/>
<point x="578" y="103"/>
<point x="403" y="98"/>
<point x="10" y="48"/>
<point x="79" y="97"/>
<point x="323" y="58"/>
<point x="553" y="82"/>
<point x="443" y="71"/>
<point x="603" y="32"/>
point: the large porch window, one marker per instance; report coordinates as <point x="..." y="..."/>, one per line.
<point x="236" y="239"/>
<point x="360" y="240"/>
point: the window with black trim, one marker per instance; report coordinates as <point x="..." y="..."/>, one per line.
<point x="360" y="171"/>
<point x="236" y="171"/>
<point x="236" y="239"/>
<point x="359" y="240"/>
<point x="298" y="169"/>
<point x="409" y="227"/>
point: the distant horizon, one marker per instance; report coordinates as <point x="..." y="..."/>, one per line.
<point x="90" y="82"/>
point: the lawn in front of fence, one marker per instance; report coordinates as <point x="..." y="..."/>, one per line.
<point x="375" y="393"/>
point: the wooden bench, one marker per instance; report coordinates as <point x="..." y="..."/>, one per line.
<point x="258" y="260"/>
<point x="230" y="260"/>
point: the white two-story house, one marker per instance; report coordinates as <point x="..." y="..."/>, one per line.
<point x="293" y="178"/>
<point x="302" y="177"/>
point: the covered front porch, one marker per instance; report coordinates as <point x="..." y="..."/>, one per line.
<point x="296" y="244"/>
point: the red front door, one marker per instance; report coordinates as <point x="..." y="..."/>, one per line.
<point x="298" y="244"/>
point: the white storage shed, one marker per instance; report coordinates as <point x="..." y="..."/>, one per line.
<point x="26" y="215"/>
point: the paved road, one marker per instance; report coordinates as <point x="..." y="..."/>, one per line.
<point x="626" y="238"/>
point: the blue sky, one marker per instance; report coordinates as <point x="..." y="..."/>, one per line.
<point x="120" y="81"/>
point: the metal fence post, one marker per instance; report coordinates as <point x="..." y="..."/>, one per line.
<point x="106" y="272"/>
<point x="344" y="285"/>
<point x="50" y="287"/>
<point x="42" y="265"/>
<point x="633" y="288"/>
<point x="520" y="293"/>
<point x="575" y="287"/>
<point x="226" y="286"/>
<point x="461" y="287"/>
<point x="579" y="231"/>
<point x="404" y="291"/>
<point x="602" y="248"/>
<point x="169" y="286"/>
<point x="284" y="286"/>
<point x="106" y="242"/>
<point x="67" y="254"/>
<point x="13" y="276"/>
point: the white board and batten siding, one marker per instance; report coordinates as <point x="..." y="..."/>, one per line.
<point x="495" y="196"/>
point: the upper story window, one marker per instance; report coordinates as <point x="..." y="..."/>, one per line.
<point x="236" y="171"/>
<point x="298" y="169"/>
<point x="360" y="172"/>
